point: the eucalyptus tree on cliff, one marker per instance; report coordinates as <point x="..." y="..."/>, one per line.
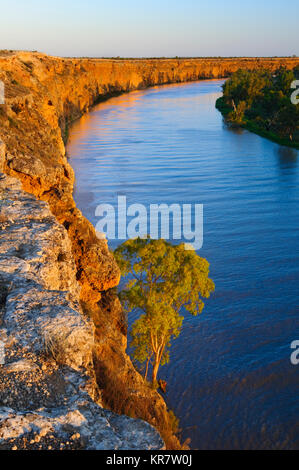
<point x="163" y="282"/>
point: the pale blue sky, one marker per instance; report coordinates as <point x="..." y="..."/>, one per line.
<point x="134" y="28"/>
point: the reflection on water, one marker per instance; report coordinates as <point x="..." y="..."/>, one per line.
<point x="233" y="129"/>
<point x="230" y="379"/>
<point x="287" y="156"/>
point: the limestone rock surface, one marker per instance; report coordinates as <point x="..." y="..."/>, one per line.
<point x="49" y="398"/>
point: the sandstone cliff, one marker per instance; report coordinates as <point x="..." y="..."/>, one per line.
<point x="42" y="96"/>
<point x="49" y="398"/>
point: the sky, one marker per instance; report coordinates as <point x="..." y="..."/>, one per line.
<point x="151" y="28"/>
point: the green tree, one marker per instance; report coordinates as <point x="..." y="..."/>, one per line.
<point x="283" y="79"/>
<point x="163" y="281"/>
<point x="287" y="120"/>
<point x="261" y="100"/>
<point x="237" y="115"/>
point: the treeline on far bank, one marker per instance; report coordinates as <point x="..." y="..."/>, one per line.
<point x="261" y="102"/>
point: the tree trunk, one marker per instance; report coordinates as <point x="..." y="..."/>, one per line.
<point x="155" y="371"/>
<point x="146" y="368"/>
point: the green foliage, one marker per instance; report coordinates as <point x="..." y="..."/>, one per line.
<point x="246" y="86"/>
<point x="237" y="115"/>
<point x="163" y="279"/>
<point x="261" y="101"/>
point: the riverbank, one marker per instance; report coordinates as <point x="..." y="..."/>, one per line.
<point x="253" y="127"/>
<point x="42" y="96"/>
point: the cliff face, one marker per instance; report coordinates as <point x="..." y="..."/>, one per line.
<point x="49" y="398"/>
<point x="42" y="95"/>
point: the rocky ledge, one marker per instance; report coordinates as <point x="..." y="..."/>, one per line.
<point x="49" y="398"/>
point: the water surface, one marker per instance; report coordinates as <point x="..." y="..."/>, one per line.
<point x="230" y="379"/>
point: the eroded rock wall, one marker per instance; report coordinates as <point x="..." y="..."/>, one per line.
<point x="49" y="398"/>
<point x="42" y="96"/>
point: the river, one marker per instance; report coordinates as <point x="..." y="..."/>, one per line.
<point x="230" y="378"/>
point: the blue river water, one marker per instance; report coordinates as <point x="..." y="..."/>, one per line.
<point x="230" y="378"/>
